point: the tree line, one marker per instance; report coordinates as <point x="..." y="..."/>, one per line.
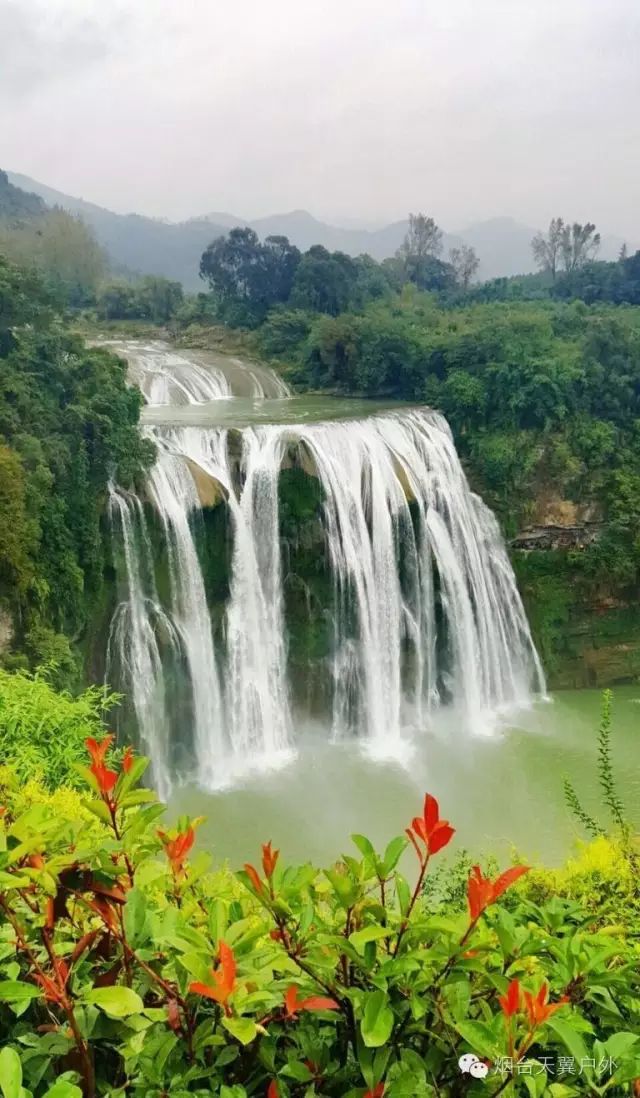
<point x="248" y="277"/>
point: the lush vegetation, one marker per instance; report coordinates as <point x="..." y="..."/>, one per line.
<point x="153" y="299"/>
<point x="542" y="399"/>
<point x="128" y="969"/>
<point x="68" y="424"/>
<point x="538" y="376"/>
<point x="43" y="730"/>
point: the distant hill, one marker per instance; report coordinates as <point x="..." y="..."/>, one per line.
<point x="17" y="204"/>
<point x="148" y="246"/>
<point x="304" y="230"/>
<point x="140" y="244"/>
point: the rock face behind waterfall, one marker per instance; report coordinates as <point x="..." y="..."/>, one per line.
<point x="337" y="570"/>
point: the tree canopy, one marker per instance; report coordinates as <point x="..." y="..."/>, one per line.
<point x="68" y="423"/>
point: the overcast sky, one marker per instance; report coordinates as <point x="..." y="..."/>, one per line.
<point x="465" y="109"/>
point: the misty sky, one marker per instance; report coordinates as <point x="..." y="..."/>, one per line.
<point x="465" y="109"/>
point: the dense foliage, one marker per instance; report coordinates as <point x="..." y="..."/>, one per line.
<point x="127" y="969"/>
<point x="615" y="282"/>
<point x="68" y="423"/>
<point x="248" y="277"/>
<point x="43" y="730"/>
<point x="154" y="299"/>
<point x="59" y="246"/>
<point x="537" y="396"/>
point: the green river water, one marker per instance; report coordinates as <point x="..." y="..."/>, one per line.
<point x="501" y="792"/>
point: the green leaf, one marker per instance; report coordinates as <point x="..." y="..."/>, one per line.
<point x="536" y="1082"/>
<point x="377" y="1020"/>
<point x="63" y="1089"/>
<point x="480" y="1037"/>
<point x="136" y="797"/>
<point x="10" y="1073"/>
<point x="14" y="991"/>
<point x="135" y="917"/>
<point x="359" y="938"/>
<point x="131" y="777"/>
<point x="393" y="853"/>
<point x="99" y="809"/>
<point x="404" y="893"/>
<point x="620" y="1044"/>
<point x="118" y="1002"/>
<point x="87" y="774"/>
<point x="243" y="1029"/>
<point x="570" y="1038"/>
<point x="364" y="846"/>
<point x="296" y="1070"/>
<point x="12" y="880"/>
<point x="346" y="891"/>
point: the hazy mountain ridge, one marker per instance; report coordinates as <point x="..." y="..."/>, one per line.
<point x="173" y="249"/>
<point x="16" y="203"/>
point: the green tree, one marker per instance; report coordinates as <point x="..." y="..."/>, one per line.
<point x="63" y="249"/>
<point x="420" y="253"/>
<point x="69" y="423"/>
<point x="324" y="281"/>
<point x="158" y="298"/>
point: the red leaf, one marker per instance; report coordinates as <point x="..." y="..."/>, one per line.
<point x="409" y="833"/>
<point x="506" y="879"/>
<point x="510" y="1002"/>
<point x="224" y="977"/>
<point x="269" y="860"/>
<point x="318" y="1002"/>
<point x="431" y="812"/>
<point x="440" y="837"/>
<point x="207" y="990"/>
<point x="291" y="1000"/>
<point x="98" y="751"/>
<point x="252" y="874"/>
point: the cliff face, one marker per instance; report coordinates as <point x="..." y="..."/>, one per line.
<point x="587" y="631"/>
<point x="553" y="536"/>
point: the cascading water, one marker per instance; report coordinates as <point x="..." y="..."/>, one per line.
<point x="426" y="609"/>
<point x="166" y="377"/>
<point x="133" y="645"/>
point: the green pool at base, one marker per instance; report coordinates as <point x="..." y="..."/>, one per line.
<point x="500" y="792"/>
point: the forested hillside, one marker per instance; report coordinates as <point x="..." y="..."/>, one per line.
<point x="16" y="204"/>
<point x="68" y="423"/>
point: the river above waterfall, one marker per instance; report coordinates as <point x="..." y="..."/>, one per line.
<point x="502" y="793"/>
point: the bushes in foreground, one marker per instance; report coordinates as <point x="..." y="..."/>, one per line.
<point x="128" y="969"/>
<point x="42" y="730"/>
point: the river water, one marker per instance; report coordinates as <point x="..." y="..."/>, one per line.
<point x="501" y="793"/>
<point x="501" y="790"/>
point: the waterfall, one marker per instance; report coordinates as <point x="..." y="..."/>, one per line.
<point x="133" y="643"/>
<point x="425" y="612"/>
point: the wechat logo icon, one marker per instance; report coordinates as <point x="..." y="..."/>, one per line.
<point x="469" y="1064"/>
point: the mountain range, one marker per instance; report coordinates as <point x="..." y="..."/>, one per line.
<point x="146" y="245"/>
